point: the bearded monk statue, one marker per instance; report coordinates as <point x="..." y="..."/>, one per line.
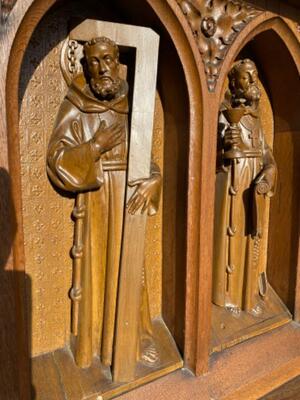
<point x="246" y="177"/>
<point x="87" y="155"/>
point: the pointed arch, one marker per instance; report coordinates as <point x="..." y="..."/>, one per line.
<point x="276" y="51"/>
<point x="171" y="17"/>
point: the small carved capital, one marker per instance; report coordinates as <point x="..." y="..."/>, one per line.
<point x="215" y="24"/>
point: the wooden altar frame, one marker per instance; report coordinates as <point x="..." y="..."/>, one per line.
<point x="15" y="37"/>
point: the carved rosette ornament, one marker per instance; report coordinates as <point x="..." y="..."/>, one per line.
<point x="215" y="24"/>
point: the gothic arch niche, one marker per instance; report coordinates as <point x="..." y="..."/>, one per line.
<point x="282" y="81"/>
<point x="281" y="126"/>
<point x="40" y="93"/>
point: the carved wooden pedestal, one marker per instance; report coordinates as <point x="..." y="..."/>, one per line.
<point x="73" y="383"/>
<point x="228" y="330"/>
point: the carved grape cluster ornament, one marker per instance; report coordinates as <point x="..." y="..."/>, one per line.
<point x="215" y="24"/>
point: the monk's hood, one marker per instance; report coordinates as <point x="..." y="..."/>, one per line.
<point x="87" y="103"/>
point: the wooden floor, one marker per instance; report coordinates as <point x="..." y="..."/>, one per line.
<point x="247" y="371"/>
<point x="229" y="330"/>
<point x="289" y="391"/>
<point x="55" y="375"/>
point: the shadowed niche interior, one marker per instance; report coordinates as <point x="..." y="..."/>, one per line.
<point x="280" y="123"/>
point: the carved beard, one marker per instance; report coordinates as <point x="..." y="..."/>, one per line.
<point x="249" y="97"/>
<point x="105" y="88"/>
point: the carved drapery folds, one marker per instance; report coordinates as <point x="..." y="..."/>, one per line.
<point x="215" y="24"/>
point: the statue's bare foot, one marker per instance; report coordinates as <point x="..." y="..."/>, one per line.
<point x="234" y="310"/>
<point x="150" y="355"/>
<point x="257" y="310"/>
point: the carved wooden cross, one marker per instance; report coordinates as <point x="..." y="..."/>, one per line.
<point x="254" y="136"/>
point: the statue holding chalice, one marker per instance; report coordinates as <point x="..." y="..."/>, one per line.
<point x="246" y="176"/>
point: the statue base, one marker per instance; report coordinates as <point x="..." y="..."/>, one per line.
<point x="56" y="376"/>
<point x="229" y="329"/>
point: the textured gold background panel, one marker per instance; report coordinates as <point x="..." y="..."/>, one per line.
<point x="48" y="229"/>
<point x="267" y="121"/>
<point x="153" y="249"/>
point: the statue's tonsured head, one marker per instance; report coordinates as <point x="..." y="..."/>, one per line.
<point x="102" y="60"/>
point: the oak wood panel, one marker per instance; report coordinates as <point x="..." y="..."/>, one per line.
<point x="255" y="389"/>
<point x="177" y="27"/>
<point x="227" y="330"/>
<point x="284" y="215"/>
<point x="9" y="324"/>
<point x="288" y="8"/>
<point x="260" y="365"/>
<point x="284" y="234"/>
<point x="15" y="371"/>
<point x="288" y="391"/>
<point x="45" y="375"/>
<point x="56" y="374"/>
<point x="195" y="174"/>
<point x="244" y="372"/>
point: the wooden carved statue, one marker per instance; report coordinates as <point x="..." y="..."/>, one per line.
<point x="87" y="155"/>
<point x="246" y="176"/>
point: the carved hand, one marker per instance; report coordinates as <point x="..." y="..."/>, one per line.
<point x="147" y="191"/>
<point x="232" y="136"/>
<point x="107" y="137"/>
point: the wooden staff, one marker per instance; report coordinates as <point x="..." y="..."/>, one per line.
<point x="77" y="254"/>
<point x="231" y="230"/>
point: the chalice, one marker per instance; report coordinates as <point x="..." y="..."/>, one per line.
<point x="233" y="116"/>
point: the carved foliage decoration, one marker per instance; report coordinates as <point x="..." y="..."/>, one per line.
<point x="215" y="24"/>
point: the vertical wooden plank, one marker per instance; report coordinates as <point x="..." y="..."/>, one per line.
<point x="132" y="261"/>
<point x="297" y="289"/>
<point x="46" y="380"/>
<point x="129" y="298"/>
<point x="69" y="374"/>
<point x="13" y="339"/>
<point x="207" y="199"/>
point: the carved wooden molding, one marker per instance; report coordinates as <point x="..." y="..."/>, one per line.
<point x="215" y="24"/>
